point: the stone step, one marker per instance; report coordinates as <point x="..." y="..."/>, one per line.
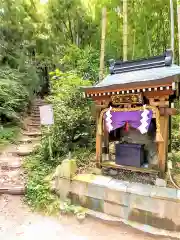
<point x="27" y="139"/>
<point x="9" y="151"/>
<point x="34" y="124"/>
<point x="26" y="149"/>
<point x="13" y="189"/>
<point x="11" y="178"/>
<point x="9" y="162"/>
<point x="39" y="104"/>
<point x="32" y="133"/>
<point x="35" y="113"/>
<point x="33" y="129"/>
<point x="35" y="116"/>
<point x="35" y="120"/>
<point x="35" y="110"/>
<point x="38" y="100"/>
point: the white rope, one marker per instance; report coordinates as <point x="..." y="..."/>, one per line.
<point x="143" y="127"/>
<point x="109" y="120"/>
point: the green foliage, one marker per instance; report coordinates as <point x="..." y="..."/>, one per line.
<point x="42" y="33"/>
<point x="8" y="134"/>
<point x="175" y="133"/>
<point x="72" y="128"/>
<point x="16" y="90"/>
<point x="176" y="129"/>
<point x="148" y="27"/>
<point x="67" y="207"/>
<point x="84" y="61"/>
<point x="84" y="156"/>
<point x="38" y="194"/>
<point x="74" y="22"/>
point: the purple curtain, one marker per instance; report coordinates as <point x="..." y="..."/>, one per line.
<point x="116" y="120"/>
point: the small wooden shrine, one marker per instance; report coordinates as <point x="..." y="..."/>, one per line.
<point x="133" y="107"/>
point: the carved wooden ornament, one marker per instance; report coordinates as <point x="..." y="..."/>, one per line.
<point x="128" y="98"/>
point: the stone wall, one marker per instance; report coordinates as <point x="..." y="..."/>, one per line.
<point x="154" y="206"/>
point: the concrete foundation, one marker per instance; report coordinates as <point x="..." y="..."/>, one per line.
<point x="158" y="207"/>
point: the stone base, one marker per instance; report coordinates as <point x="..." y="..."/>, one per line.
<point x="157" y="207"/>
<point x="115" y="221"/>
<point x="126" y="175"/>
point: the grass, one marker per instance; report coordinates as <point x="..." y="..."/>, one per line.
<point x="8" y="134"/>
<point x="38" y="193"/>
<point x="39" y="175"/>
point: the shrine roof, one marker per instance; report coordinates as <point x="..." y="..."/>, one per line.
<point x="152" y="71"/>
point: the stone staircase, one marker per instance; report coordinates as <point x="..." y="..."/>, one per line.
<point x="33" y="122"/>
<point x="12" y="178"/>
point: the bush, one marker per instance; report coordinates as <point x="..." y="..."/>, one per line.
<point x="84" y="61"/>
<point x="72" y="128"/>
<point x="176" y="129"/>
<point x="8" y="134"/>
<point x="38" y="193"/>
<point x="16" y="90"/>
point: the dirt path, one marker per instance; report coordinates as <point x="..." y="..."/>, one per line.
<point x="11" y="174"/>
<point x="18" y="222"/>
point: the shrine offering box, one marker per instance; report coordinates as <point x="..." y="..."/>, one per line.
<point x="129" y="154"/>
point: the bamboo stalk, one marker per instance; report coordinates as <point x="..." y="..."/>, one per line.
<point x="149" y="43"/>
<point x="125" y="30"/>
<point x="103" y="37"/>
<point x="134" y="45"/>
<point x="178" y="19"/>
<point x="172" y="26"/>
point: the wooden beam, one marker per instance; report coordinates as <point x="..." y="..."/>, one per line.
<point x="106" y="143"/>
<point x="101" y="106"/>
<point x="158" y="93"/>
<point x="98" y="142"/>
<point x="167" y="111"/>
<point x="101" y="98"/>
<point x="163" y="146"/>
<point x="147" y="94"/>
<point x="162" y="101"/>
